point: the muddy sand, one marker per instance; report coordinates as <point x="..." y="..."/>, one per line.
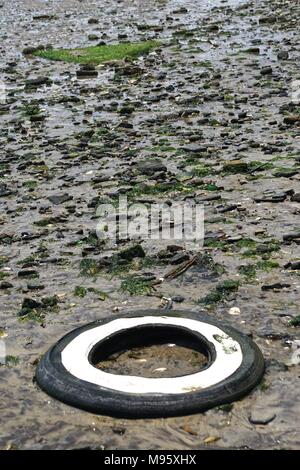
<point x="212" y="114"/>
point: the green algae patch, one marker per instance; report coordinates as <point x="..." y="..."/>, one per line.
<point x="11" y="361"/>
<point x="99" y="54"/>
<point x="135" y="286"/>
<point x="220" y="293"/>
<point x="295" y="321"/>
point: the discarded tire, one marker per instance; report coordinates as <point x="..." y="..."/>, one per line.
<point x="67" y="371"/>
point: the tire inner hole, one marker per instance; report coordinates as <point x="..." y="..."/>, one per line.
<point x="152" y="351"/>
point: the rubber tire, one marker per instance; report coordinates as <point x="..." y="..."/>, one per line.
<point x="54" y="379"/>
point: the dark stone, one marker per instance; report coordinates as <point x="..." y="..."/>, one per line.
<point x="285" y="173"/>
<point x="27" y="273"/>
<point x="150" y="167"/>
<point x="93" y="21"/>
<point x="276" y="285"/>
<point x="280" y="197"/>
<point x="93" y="37"/>
<point x="268" y="19"/>
<point x="283" y="55"/>
<point x="178" y="298"/>
<point x="261" y="416"/>
<point x="291" y="119"/>
<point x="29" y="304"/>
<point x="223" y="209"/>
<point x="37" y="118"/>
<point x="60" y="198"/>
<point x="194" y="148"/>
<point x="179" y="258"/>
<point x="5" y="285"/>
<point x="32" y="49"/>
<point x="292" y="265"/>
<point x="4" y="190"/>
<point x="135" y="251"/>
<point x="35" y="285"/>
<point x="214" y="28"/>
<point x="50" y="301"/>
<point x="266" y="70"/>
<point x="174" y="248"/>
<point x="181" y="10"/>
<point x="291" y="236"/>
<point x="86" y="73"/>
<point x="295" y="197"/>
<point x="36" y="82"/>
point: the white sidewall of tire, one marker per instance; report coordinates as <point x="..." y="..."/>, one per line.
<point x="228" y="358"/>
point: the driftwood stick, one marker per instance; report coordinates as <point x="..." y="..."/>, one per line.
<point x="175" y="272"/>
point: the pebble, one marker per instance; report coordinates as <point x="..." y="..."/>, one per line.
<point x="178" y="298"/>
<point x="261" y="416"/>
<point x="60" y="198"/>
<point x="275" y="286"/>
<point x="6" y="285"/>
<point x="294" y="265"/>
<point x="291" y="236"/>
<point x="234" y="311"/>
<point x="283" y="55"/>
<point x="179" y="258"/>
<point x="150" y="167"/>
<point x="266" y="70"/>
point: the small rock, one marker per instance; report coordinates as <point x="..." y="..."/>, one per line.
<point x="266" y="70"/>
<point x="234" y="311"/>
<point x="261" y="416"/>
<point x="291" y="236"/>
<point x="283" y="55"/>
<point x="295" y="357"/>
<point x="28" y="273"/>
<point x="268" y="19"/>
<point x="291" y="119"/>
<point x="194" y="148"/>
<point x="132" y="252"/>
<point x="37" y="82"/>
<point x="150" y="167"/>
<point x="294" y="265"/>
<point x="210" y="439"/>
<point x="5" y="285"/>
<point x="178" y="298"/>
<point x="179" y="258"/>
<point x="93" y="37"/>
<point x="35" y="285"/>
<point x="280" y="197"/>
<point x="87" y="71"/>
<point x="179" y="11"/>
<point x="276" y="285"/>
<point x="118" y="430"/>
<point x="32" y="49"/>
<point x="214" y="28"/>
<point x="31" y="303"/>
<point x="60" y="198"/>
<point x="295" y="197"/>
<point x="50" y="301"/>
<point x="235" y="166"/>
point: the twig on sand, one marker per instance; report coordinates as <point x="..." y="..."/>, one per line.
<point x="175" y="272"/>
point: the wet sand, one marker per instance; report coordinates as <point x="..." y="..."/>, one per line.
<point x="220" y="88"/>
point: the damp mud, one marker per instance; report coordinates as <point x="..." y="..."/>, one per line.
<point x="212" y="115"/>
<point x="155" y="361"/>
